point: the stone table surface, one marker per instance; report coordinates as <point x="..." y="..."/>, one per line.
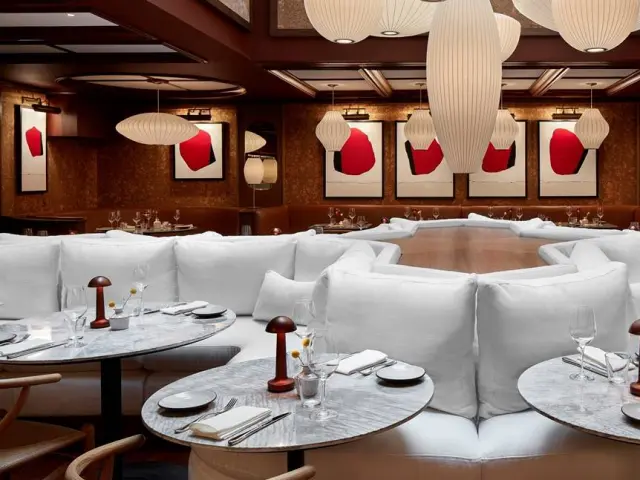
<point x="153" y="333"/>
<point x="365" y="406"/>
<point x="591" y="407"/>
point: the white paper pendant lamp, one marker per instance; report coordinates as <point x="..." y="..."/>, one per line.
<point x="592" y="129"/>
<point x="595" y="25"/>
<point x="333" y="131"/>
<point x="157" y="128"/>
<point x="344" y="21"/>
<point x="419" y="130"/>
<point x="465" y="70"/>
<point x="270" y="166"/>
<point x="509" y="30"/>
<point x="539" y="11"/>
<point x="404" y="18"/>
<point x="505" y="131"/>
<point x="253" y="142"/>
<point x="253" y="171"/>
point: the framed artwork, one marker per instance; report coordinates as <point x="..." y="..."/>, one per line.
<point x="504" y="172"/>
<point x="31" y="149"/>
<point x="421" y="173"/>
<point x="203" y="156"/>
<point x="566" y="168"/>
<point x="357" y="170"/>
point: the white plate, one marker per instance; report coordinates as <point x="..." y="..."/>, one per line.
<point x="210" y="311"/>
<point x="400" y="372"/>
<point x="6" y="337"/>
<point x="187" y="400"/>
<point x="631" y="410"/>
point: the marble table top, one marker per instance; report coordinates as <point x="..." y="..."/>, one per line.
<point x="153" y="333"/>
<point x="591" y="407"/>
<point x="365" y="406"/>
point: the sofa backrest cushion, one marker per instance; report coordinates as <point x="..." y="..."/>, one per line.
<point x="28" y="280"/>
<point x="625" y="249"/>
<point x="314" y="254"/>
<point x="81" y="260"/>
<point x="278" y="296"/>
<point x="230" y="274"/>
<point x="524" y="322"/>
<point x="531" y="273"/>
<point x="423" y="322"/>
<point x="586" y="255"/>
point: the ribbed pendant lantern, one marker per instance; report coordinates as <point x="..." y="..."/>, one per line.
<point x="344" y="21"/>
<point x="506" y="129"/>
<point x="464" y="76"/>
<point x="509" y="29"/>
<point x="592" y="129"/>
<point x="404" y="18"/>
<point x="253" y="142"/>
<point x="333" y="131"/>
<point x="419" y="129"/>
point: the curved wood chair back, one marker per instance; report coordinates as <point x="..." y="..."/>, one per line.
<point x="102" y="455"/>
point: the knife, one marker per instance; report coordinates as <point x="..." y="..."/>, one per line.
<point x="241" y="438"/>
<point x="588" y="367"/>
<point x="39" y="348"/>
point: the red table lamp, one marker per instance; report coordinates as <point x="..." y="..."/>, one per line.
<point x="281" y="326"/>
<point x="99" y="283"/>
<point x="634" y="388"/>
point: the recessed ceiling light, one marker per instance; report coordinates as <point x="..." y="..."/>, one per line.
<point x="71" y="14"/>
<point x="596" y="50"/>
<point x="390" y="33"/>
<point x="344" y="41"/>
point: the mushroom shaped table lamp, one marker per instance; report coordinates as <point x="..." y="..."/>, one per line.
<point x="99" y="283"/>
<point x="281" y="326"/>
<point x="635" y="386"/>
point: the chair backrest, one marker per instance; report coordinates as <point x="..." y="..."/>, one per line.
<point x="98" y="463"/>
<point x="303" y="473"/>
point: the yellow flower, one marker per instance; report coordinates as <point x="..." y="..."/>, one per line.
<point x="306" y="342"/>
<point x="295" y="354"/>
<point x="133" y="291"/>
<point x="112" y="304"/>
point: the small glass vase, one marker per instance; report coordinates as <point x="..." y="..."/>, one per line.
<point x="307" y="384"/>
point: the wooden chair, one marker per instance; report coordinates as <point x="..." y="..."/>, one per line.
<point x="22" y="442"/>
<point x="104" y="455"/>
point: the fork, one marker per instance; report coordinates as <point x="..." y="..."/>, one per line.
<point x="375" y="368"/>
<point x="230" y="404"/>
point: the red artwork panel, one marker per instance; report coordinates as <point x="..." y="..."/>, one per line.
<point x="499" y="160"/>
<point x="198" y="152"/>
<point x="357" y="156"/>
<point x="566" y="152"/>
<point x="201" y="157"/>
<point x="33" y="137"/>
<point x="424" y="162"/>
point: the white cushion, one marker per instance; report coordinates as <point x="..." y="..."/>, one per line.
<point x="12" y="239"/>
<point x="625" y="249"/>
<point x="128" y="236"/>
<point x="390" y="231"/>
<point x="424" y="322"/>
<point x="531" y="273"/>
<point x="561" y="234"/>
<point x="28" y="279"/>
<point x="230" y="274"/>
<point x="528" y="446"/>
<point x="586" y="255"/>
<point x="431" y="446"/>
<point x="81" y="260"/>
<point x="278" y="295"/>
<point x="534" y="223"/>
<point x="553" y="255"/>
<point x="522" y="323"/>
<point x="409" y="271"/>
<point x="314" y="254"/>
<point x="444" y="223"/>
<point x="475" y="220"/>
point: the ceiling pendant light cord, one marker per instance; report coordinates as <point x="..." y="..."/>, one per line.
<point x="591" y="97"/>
<point x="158" y="100"/>
<point x="420" y="97"/>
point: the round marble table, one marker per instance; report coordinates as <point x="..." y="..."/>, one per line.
<point x="591" y="407"/>
<point x="365" y="406"/>
<point x="153" y="333"/>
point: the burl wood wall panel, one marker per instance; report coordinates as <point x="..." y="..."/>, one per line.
<point x="72" y="169"/>
<point x="136" y="175"/>
<point x="304" y="162"/>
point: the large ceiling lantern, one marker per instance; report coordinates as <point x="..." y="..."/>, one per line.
<point x="463" y="61"/>
<point x="333" y="131"/>
<point x="419" y="130"/>
<point x="592" y="26"/>
<point x="344" y="21"/>
<point x="509" y="29"/>
<point x="506" y="129"/>
<point x="592" y="128"/>
<point x="157" y="128"/>
<point x="405" y="18"/>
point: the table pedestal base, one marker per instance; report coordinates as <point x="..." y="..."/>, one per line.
<point x="295" y="459"/>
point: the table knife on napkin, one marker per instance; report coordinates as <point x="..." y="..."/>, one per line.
<point x="243" y="436"/>
<point x="587" y="366"/>
<point x="39" y="348"/>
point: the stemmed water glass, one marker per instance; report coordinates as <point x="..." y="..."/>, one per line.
<point x="147" y="216"/>
<point x="569" y="211"/>
<point x="140" y="274"/>
<point x="362" y="222"/>
<point x="112" y="218"/>
<point x="75" y="308"/>
<point x="582" y="328"/>
<point x="490" y="214"/>
<point x="435" y="213"/>
<point x="407" y="212"/>
<point x="600" y="213"/>
<point x="137" y="219"/>
<point x="176" y="216"/>
<point x="352" y="214"/>
<point x="323" y="363"/>
<point x="117" y="218"/>
<point x="519" y="213"/>
<point x="331" y="214"/>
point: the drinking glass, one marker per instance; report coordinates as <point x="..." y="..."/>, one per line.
<point x="519" y="213"/>
<point x="330" y="214"/>
<point x="361" y="222"/>
<point x="28" y="232"/>
<point x="617" y="367"/>
<point x="573" y="221"/>
<point x="490" y="214"/>
<point x="582" y="328"/>
<point x="117" y="219"/>
<point x="407" y="212"/>
<point x="43" y="233"/>
<point x="569" y="211"/>
<point x="319" y="230"/>
<point x="140" y="274"/>
<point x="176" y="216"/>
<point x="323" y="364"/>
<point x="75" y="308"/>
<point x="634" y="226"/>
<point x="352" y="214"/>
<point x="304" y="316"/>
<point x="137" y="219"/>
<point x="112" y="218"/>
<point x="600" y="213"/>
<point x="435" y="213"/>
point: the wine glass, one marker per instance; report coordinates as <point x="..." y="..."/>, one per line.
<point x="112" y="218"/>
<point x="140" y="274"/>
<point x="362" y="222"/>
<point x="490" y="214"/>
<point x="352" y="214"/>
<point x="569" y="211"/>
<point x="407" y="212"/>
<point x="75" y="308"/>
<point x="137" y="219"/>
<point x="600" y="213"/>
<point x="176" y="216"/>
<point x="435" y="213"/>
<point x="117" y="218"/>
<point x="323" y="363"/>
<point x="519" y="213"/>
<point x="147" y="217"/>
<point x="582" y="328"/>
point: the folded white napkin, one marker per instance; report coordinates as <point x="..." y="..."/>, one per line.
<point x="236" y="418"/>
<point x="595" y="356"/>
<point x="186" y="308"/>
<point x="22" y="346"/>
<point x="360" y="360"/>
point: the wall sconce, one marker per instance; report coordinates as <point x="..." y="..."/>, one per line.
<point x="39" y="106"/>
<point x="566" y="113"/>
<point x="355" y="113"/>
<point x="198" y="115"/>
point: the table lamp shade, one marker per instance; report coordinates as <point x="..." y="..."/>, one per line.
<point x="253" y="142"/>
<point x="253" y="171"/>
<point x="270" y="166"/>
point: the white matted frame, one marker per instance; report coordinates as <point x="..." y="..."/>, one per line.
<point x="31" y="149"/>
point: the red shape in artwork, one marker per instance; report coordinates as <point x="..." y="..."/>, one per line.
<point x="197" y="152"/>
<point x="357" y="156"/>
<point x="496" y="161"/>
<point x="33" y="137"/>
<point x="566" y="152"/>
<point x="424" y="162"/>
